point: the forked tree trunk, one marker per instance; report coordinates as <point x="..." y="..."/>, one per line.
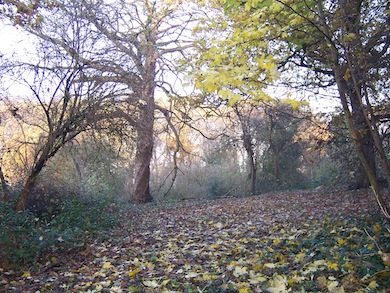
<point x="366" y="140"/>
<point x="359" y="142"/>
<point x="248" y="146"/>
<point x="353" y="119"/>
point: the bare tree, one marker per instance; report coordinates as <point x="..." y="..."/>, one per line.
<point x="137" y="43"/>
<point x="246" y="115"/>
<point x="132" y="44"/>
<point x="66" y="102"/>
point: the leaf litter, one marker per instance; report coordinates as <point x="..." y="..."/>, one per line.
<point x="300" y="241"/>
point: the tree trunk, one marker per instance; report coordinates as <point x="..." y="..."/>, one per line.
<point x="367" y="144"/>
<point x="143" y="158"/>
<point x="355" y="127"/>
<point x="248" y="146"/>
<point x="26" y="191"/>
<point x="147" y="106"/>
<point x="368" y="148"/>
<point x="276" y="165"/>
<point x="144" y="152"/>
<point x="4" y="185"/>
<point x="252" y="165"/>
<point x="360" y="141"/>
<point x="371" y="173"/>
<point x="30" y="183"/>
<point x="32" y="178"/>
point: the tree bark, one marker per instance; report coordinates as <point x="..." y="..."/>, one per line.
<point x="359" y="139"/>
<point x="356" y="120"/>
<point x="252" y="162"/>
<point x="366" y="141"/>
<point x="143" y="158"/>
<point x="363" y="129"/>
<point x="4" y="186"/>
<point x="248" y="146"/>
<point x="145" y="128"/>
<point x="25" y="195"/>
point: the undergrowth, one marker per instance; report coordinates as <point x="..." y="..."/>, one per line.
<point x="27" y="238"/>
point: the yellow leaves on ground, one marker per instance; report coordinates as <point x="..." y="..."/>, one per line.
<point x="151" y="283"/>
<point x="134" y="272"/>
<point x="270" y="265"/>
<point x="373" y="285"/>
<point x="333" y="287"/>
<point x="191" y="275"/>
<point x="377" y="228"/>
<point x="332" y="266"/>
<point x="276" y="241"/>
<point x="330" y="284"/>
<point x="228" y="246"/>
<point x="278" y="284"/>
<point x="244" y="290"/>
<point x="256" y="278"/>
<point x="218" y="225"/>
<point x="240" y="271"/>
<point x="341" y="241"/>
<point x="26" y="274"/>
<point x="107" y="265"/>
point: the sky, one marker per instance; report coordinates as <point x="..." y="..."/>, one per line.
<point x="14" y="40"/>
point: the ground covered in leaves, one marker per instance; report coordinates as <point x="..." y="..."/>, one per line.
<point x="302" y="241"/>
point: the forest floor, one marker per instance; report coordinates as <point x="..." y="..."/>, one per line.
<point x="300" y="241"/>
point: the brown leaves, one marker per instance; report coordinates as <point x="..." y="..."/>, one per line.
<point x="284" y="242"/>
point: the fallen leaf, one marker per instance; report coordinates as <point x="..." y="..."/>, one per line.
<point x="107" y="265"/>
<point x="26" y="274"/>
<point x="151" y="283"/>
<point x="134" y="272"/>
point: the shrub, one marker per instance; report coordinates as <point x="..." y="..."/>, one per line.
<point x="26" y="237"/>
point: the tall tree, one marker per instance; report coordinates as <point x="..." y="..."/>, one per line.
<point x="335" y="44"/>
<point x="132" y="44"/>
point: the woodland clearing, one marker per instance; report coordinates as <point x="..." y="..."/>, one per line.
<point x="297" y="241"/>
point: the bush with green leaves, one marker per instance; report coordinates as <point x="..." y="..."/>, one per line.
<point x="26" y="238"/>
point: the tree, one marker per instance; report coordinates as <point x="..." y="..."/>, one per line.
<point x="342" y="44"/>
<point x="132" y="44"/>
<point x="280" y="129"/>
<point x="232" y="73"/>
<point x="62" y="111"/>
<point x="245" y="112"/>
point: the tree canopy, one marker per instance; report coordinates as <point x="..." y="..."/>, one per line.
<point x="232" y="51"/>
<point x="320" y="44"/>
